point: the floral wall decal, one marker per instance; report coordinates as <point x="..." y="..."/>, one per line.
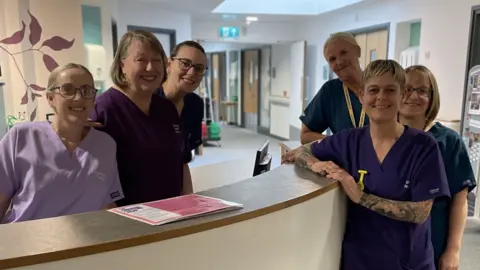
<point x="55" y="43"/>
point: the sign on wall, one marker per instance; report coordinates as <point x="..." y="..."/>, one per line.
<point x="229" y="32"/>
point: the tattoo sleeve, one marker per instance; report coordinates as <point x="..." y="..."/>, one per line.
<point x="415" y="212"/>
<point x="304" y="158"/>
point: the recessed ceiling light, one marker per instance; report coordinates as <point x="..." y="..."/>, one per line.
<point x="252" y="19"/>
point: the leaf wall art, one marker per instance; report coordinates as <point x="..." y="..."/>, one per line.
<point x="55" y="43"/>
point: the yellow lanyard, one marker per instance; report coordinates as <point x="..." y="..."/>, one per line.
<point x="350" y="110"/>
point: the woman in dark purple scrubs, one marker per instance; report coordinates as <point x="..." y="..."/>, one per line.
<point x="186" y="67"/>
<point x="390" y="172"/>
<point x="150" y="144"/>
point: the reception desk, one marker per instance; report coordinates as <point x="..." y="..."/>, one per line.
<point x="292" y="219"/>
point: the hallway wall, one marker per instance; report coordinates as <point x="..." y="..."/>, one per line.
<point x="443" y="41"/>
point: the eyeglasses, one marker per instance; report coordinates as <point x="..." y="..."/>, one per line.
<point x="421" y="91"/>
<point x="186" y="65"/>
<point x="69" y="91"/>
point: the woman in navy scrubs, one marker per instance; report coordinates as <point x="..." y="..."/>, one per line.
<point x="418" y="110"/>
<point x="390" y="172"/>
<point x="336" y="106"/>
<point x="150" y="144"/>
<point x="186" y="67"/>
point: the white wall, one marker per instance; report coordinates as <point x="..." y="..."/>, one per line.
<point x="153" y="15"/>
<point x="261" y="32"/>
<point x="443" y="43"/>
<point x="108" y="9"/>
<point x="281" y="63"/>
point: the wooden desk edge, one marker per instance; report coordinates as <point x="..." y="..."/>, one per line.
<point x="157" y="237"/>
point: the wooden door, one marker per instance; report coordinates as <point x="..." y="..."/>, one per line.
<point x="362" y="42"/>
<point x="373" y="46"/>
<point x="377" y="44"/>
<point x="215" y="86"/>
<point x="250" y="88"/>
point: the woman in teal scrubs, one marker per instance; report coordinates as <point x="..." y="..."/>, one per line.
<point x="336" y="106"/>
<point x="418" y="110"/>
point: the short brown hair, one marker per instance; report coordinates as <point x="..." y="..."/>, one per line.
<point x="434" y="105"/>
<point x="145" y="37"/>
<point x="379" y="67"/>
<point x="52" y="78"/>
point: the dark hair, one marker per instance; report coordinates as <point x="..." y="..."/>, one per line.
<point x="188" y="43"/>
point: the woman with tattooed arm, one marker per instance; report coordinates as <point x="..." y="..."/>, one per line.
<point x="390" y="172"/>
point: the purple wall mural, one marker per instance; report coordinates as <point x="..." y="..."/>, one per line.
<point x="56" y="43"/>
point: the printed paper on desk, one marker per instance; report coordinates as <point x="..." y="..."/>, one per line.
<point x="175" y="209"/>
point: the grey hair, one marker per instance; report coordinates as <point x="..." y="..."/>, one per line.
<point x="345" y="36"/>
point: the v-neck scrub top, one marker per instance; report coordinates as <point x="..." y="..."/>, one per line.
<point x="191" y="119"/>
<point x="329" y="110"/>
<point x="150" y="148"/>
<point x="44" y="179"/>
<point x="413" y="170"/>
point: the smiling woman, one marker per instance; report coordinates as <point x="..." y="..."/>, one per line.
<point x="186" y="67"/>
<point x="336" y="106"/>
<point x="146" y="127"/>
<point x="391" y="173"/>
<point x="37" y="158"/>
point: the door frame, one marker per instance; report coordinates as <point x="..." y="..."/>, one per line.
<point x="242" y="88"/>
<point x="374" y="28"/>
<point x="473" y="14"/>
<point x="263" y="130"/>
<point x="223" y="83"/>
<point x="172" y="33"/>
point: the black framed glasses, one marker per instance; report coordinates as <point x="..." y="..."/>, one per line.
<point x="421" y="91"/>
<point x="69" y="91"/>
<point x="186" y="65"/>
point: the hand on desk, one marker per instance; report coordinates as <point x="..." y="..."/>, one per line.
<point x="349" y="185"/>
<point x="289" y="155"/>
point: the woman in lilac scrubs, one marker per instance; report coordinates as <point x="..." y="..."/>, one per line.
<point x="390" y="172"/>
<point x="59" y="168"/>
<point x="146" y="127"/>
<point x="418" y="110"/>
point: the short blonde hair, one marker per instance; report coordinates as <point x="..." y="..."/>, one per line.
<point x="52" y="78"/>
<point x="379" y="67"/>
<point x="345" y="36"/>
<point x="145" y="37"/>
<point x="434" y="105"/>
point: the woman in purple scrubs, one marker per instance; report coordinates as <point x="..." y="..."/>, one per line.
<point x="418" y="110"/>
<point x="390" y="172"/>
<point x="150" y="144"/>
<point x="186" y="67"/>
<point x="59" y="168"/>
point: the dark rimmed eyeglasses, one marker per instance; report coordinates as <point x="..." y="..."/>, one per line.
<point x="421" y="91"/>
<point x="186" y="65"/>
<point x="69" y="91"/>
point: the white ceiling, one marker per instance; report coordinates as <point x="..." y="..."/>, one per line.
<point x="282" y="7"/>
<point x="265" y="10"/>
<point x="190" y="6"/>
